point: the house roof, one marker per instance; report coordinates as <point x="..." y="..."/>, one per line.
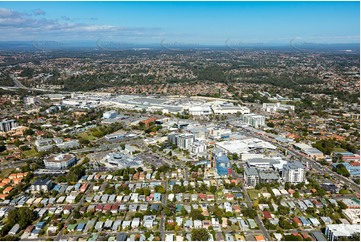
<point x="259" y="238"/>
<point x="267" y="214"/>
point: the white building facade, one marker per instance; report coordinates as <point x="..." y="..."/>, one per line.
<point x="254" y="120"/>
<point x="293" y="172"/>
<point x="59" y="162"/>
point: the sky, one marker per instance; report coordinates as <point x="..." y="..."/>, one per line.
<point x="182" y="23"/>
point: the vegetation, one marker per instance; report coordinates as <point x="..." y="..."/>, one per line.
<point x="200" y="234"/>
<point x="24" y="216"/>
<point x="341" y="169"/>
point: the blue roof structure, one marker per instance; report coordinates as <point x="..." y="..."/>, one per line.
<point x="57" y="188"/>
<point x="157" y="196"/>
<point x="304" y="221"/>
<point x="222" y="163"/>
<point x="40" y="225"/>
<point x="80" y="227"/>
<point x="154" y="207"/>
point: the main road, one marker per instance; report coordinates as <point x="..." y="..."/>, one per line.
<point x="250" y="205"/>
<point x="80" y="203"/>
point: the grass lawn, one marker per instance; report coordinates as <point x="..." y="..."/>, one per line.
<point x="86" y="136"/>
<point x="102" y="219"/>
<point x="234" y="227"/>
<point x="31" y="153"/>
<point x="6" y="172"/>
<point x="337" y="149"/>
<point x="253" y="194"/>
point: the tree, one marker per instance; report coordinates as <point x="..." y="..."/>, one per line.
<point x="197" y="215"/>
<point x="342" y="205"/>
<point x="285" y="224"/>
<point x="109" y="190"/>
<point x="18" y="143"/>
<point x="200" y="234"/>
<point x="292" y="237"/>
<point x="325" y="146"/>
<point x="249" y="212"/>
<point x="287" y="185"/>
<point x="213" y="189"/>
<point x="283" y="210"/>
<point x="84" y="141"/>
<point x="270" y="124"/>
<point x="296" y="194"/>
<point x="23" y="216"/>
<point x="126" y="177"/>
<point x="76" y="214"/>
<point x="341" y="169"/>
<point x="235" y="156"/>
<point x="159" y="189"/>
<point x="5" y="230"/>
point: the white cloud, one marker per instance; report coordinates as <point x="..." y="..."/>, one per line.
<point x="39" y="12"/>
<point x="20" y="26"/>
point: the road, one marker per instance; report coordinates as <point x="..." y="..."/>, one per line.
<point x="14" y="164"/>
<point x="163" y="217"/>
<point x="79" y="204"/>
<point x="19" y="85"/>
<point x="250" y="205"/>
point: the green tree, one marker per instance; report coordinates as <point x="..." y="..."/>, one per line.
<point x="283" y="210"/>
<point x="23" y="216"/>
<point x="285" y="224"/>
<point x="249" y="212"/>
<point x="159" y="189"/>
<point x="296" y="194"/>
<point x="200" y="234"/>
<point x="292" y="237"/>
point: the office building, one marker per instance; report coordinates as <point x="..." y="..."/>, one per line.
<point x="173" y="138"/>
<point x="251" y="177"/>
<point x="277" y="107"/>
<point x="200" y="110"/>
<point x="254" y="120"/>
<point x="59" y="162"/>
<point x="336" y="232"/>
<point x="7" y="125"/>
<point x="228" y="109"/>
<point x="197" y="147"/>
<point x="293" y="172"/>
<point x="110" y="114"/>
<point x="185" y="140"/>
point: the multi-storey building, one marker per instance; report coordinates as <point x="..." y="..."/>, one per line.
<point x="7" y="125"/>
<point x="254" y="120"/>
<point x="276" y="107"/>
<point x="110" y="114"/>
<point x="293" y="172"/>
<point x="185" y="140"/>
<point x="251" y="177"/>
<point x="59" y="162"/>
<point x="197" y="147"/>
<point x="336" y="232"/>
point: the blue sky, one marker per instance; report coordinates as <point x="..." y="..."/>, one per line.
<point x="182" y="22"/>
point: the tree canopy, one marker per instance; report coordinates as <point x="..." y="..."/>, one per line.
<point x="200" y="234"/>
